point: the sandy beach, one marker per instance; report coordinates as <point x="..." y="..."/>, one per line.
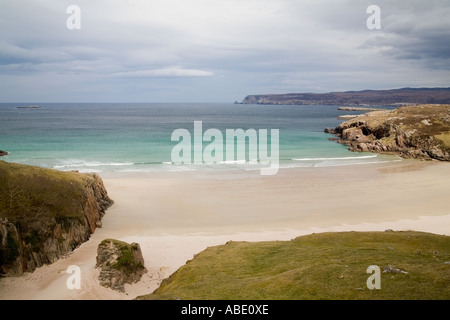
<point x="174" y="215"/>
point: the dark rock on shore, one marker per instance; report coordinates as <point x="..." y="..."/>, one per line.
<point x="421" y="132"/>
<point x="119" y="263"/>
<point x="45" y="214"/>
<point x="3" y="153"/>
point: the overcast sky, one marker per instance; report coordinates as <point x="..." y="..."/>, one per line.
<point x="217" y="50"/>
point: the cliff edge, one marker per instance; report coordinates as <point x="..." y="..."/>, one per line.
<point x="45" y="214"/>
<point x="421" y="132"/>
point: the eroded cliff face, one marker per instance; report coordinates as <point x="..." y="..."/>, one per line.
<point x="421" y="132"/>
<point x="45" y="215"/>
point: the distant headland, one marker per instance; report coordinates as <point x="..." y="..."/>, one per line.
<point x="394" y="97"/>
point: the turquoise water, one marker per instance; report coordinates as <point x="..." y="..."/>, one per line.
<point x="137" y="137"/>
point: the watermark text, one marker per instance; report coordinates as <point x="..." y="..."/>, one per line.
<point x="374" y="281"/>
<point x="73" y="22"/>
<point x="237" y="150"/>
<point x="73" y="281"/>
<point x="374" y="20"/>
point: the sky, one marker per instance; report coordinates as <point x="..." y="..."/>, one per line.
<point x="216" y="50"/>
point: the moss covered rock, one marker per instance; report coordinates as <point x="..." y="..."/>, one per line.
<point x="119" y="263"/>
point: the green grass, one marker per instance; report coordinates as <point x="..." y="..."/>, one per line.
<point x="445" y="138"/>
<point x="27" y="191"/>
<point x="35" y="199"/>
<point x="316" y="266"/>
<point x="125" y="261"/>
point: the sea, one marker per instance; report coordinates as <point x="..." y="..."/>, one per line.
<point x="137" y="137"/>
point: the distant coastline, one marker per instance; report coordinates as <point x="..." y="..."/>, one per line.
<point x="394" y="97"/>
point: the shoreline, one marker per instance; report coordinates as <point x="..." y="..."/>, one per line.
<point x="173" y="216"/>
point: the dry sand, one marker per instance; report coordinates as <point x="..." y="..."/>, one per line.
<point x="176" y="215"/>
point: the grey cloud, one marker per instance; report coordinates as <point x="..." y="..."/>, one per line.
<point x="172" y="71"/>
<point x="217" y="49"/>
<point x="419" y="32"/>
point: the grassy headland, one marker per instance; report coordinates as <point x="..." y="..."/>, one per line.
<point x="45" y="214"/>
<point x="317" y="266"/>
<point x="27" y="192"/>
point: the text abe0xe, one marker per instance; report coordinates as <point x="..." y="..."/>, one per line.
<point x="249" y="309"/>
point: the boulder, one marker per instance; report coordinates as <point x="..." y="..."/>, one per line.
<point x="3" y="153"/>
<point x="391" y="269"/>
<point x="119" y="263"/>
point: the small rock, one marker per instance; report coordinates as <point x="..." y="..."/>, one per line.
<point x="3" y="153"/>
<point x="392" y="269"/>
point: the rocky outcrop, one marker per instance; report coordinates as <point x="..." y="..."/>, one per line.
<point x="3" y="153"/>
<point x="394" y="97"/>
<point x="366" y="109"/>
<point x="10" y="250"/>
<point x="421" y="132"/>
<point x="119" y="263"/>
<point x="45" y="214"/>
<point x="97" y="201"/>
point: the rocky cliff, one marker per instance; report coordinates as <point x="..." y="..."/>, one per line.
<point x="45" y="214"/>
<point x="396" y="97"/>
<point x="421" y="132"/>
